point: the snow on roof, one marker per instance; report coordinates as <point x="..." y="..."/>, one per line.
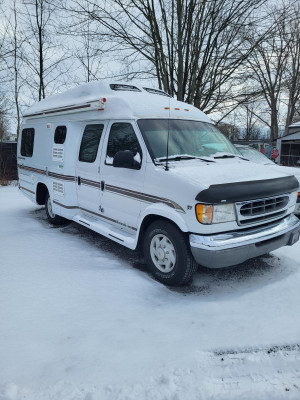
<point x="295" y="125"/>
<point x="122" y="101"/>
<point x="291" y="136"/>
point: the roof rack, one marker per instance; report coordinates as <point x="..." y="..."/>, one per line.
<point x="122" y="87"/>
<point x="156" y="91"/>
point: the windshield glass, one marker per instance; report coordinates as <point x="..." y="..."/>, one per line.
<point x="188" y="138"/>
<point x="254" y="155"/>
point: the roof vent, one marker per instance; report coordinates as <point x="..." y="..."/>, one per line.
<point x="156" y="91"/>
<point x="126" y="88"/>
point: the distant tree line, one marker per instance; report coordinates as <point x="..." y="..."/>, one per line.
<point x="238" y="60"/>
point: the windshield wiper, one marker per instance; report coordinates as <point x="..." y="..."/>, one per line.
<point x="184" y="157"/>
<point x="227" y="155"/>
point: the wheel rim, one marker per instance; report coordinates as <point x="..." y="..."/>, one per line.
<point x="163" y="253"/>
<point x="49" y="208"/>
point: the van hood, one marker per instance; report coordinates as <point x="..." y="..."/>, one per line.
<point x="202" y="174"/>
<point x="232" y="179"/>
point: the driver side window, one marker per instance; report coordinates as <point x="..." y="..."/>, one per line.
<point x="122" y="137"/>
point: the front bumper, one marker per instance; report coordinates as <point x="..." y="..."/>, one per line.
<point x="226" y="249"/>
<point x="297" y="208"/>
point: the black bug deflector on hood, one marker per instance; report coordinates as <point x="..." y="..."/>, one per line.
<point x="240" y="191"/>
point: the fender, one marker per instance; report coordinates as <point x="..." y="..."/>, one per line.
<point x="166" y="212"/>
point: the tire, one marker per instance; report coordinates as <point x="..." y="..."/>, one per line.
<point x="168" y="254"/>
<point x="53" y="218"/>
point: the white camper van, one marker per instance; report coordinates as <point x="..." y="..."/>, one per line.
<point x="139" y="167"/>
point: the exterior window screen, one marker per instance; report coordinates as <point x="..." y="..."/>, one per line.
<point x="27" y="142"/>
<point x="60" y="134"/>
<point x="90" y="143"/>
<point x="122" y="137"/>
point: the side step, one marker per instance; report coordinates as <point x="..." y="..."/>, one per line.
<point x="118" y="235"/>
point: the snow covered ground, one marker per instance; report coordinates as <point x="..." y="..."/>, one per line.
<point x="80" y="319"/>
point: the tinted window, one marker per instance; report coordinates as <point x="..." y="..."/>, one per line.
<point x="27" y="142"/>
<point x="122" y="137"/>
<point x="60" y="134"/>
<point x="90" y="143"/>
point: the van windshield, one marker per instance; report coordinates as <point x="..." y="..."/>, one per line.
<point x="187" y="139"/>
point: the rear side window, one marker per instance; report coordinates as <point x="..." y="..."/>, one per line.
<point x="90" y="142"/>
<point x="122" y="137"/>
<point x="60" y="134"/>
<point x="27" y="142"/>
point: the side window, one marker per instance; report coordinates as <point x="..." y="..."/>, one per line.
<point x="27" y="142"/>
<point x="60" y="134"/>
<point x="90" y="143"/>
<point x="122" y="137"/>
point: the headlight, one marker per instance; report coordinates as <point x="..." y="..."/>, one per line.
<point x="209" y="214"/>
<point x="298" y="177"/>
<point x="293" y="198"/>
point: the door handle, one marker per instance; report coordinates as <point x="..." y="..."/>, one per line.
<point x="78" y="180"/>
<point x="102" y="185"/>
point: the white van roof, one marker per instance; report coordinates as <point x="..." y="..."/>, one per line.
<point x="116" y="101"/>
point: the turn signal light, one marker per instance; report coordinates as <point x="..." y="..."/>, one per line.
<point x="204" y="213"/>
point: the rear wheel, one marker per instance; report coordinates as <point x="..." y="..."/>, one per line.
<point x="168" y="255"/>
<point x="53" y="218"/>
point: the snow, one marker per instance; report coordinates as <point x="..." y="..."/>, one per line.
<point x="82" y="320"/>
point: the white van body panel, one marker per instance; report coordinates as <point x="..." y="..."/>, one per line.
<point x="115" y="201"/>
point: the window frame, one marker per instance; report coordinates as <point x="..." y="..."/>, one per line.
<point x="60" y="126"/>
<point x="22" y="142"/>
<point x="85" y="161"/>
<point x="108" y="136"/>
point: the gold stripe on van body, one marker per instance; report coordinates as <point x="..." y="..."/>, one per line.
<point x="148" y="198"/>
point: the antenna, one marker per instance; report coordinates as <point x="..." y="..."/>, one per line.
<point x="167" y="158"/>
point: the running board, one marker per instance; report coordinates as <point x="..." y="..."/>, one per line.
<point x="118" y="235"/>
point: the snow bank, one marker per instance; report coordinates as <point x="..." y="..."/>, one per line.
<point x="80" y="322"/>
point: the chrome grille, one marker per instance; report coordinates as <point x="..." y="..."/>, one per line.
<point x="253" y="211"/>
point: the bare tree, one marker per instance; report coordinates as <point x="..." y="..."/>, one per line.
<point x="85" y="44"/>
<point x="275" y="65"/>
<point x="191" y="47"/>
<point x="14" y="62"/>
<point x="292" y="71"/>
<point x="44" y="56"/>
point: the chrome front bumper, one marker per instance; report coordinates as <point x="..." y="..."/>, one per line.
<point x="226" y="249"/>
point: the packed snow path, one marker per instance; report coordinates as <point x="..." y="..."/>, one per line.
<point x="80" y="319"/>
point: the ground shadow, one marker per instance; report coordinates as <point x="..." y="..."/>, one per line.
<point x="248" y="276"/>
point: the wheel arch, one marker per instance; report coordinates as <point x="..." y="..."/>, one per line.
<point x="41" y="191"/>
<point x="154" y="215"/>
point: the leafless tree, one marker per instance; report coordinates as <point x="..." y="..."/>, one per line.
<point x="85" y="44"/>
<point x="15" y="63"/>
<point x="191" y="47"/>
<point x="292" y="71"/>
<point x="275" y="65"/>
<point x="44" y="56"/>
<point x="231" y="131"/>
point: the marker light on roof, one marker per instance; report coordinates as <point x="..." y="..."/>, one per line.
<point x="102" y="103"/>
<point x="186" y="109"/>
<point x="167" y="108"/>
<point x="176" y="108"/>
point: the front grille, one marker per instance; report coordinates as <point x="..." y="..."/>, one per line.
<point x="264" y="206"/>
<point x="253" y="211"/>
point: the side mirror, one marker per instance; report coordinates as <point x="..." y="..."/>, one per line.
<point x="124" y="159"/>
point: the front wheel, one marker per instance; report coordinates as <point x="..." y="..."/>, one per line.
<point x="53" y="218"/>
<point x="168" y="255"/>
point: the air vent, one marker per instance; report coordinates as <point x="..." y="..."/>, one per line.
<point x="58" y="188"/>
<point x="58" y="153"/>
<point x="156" y="91"/>
<point x="124" y="88"/>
